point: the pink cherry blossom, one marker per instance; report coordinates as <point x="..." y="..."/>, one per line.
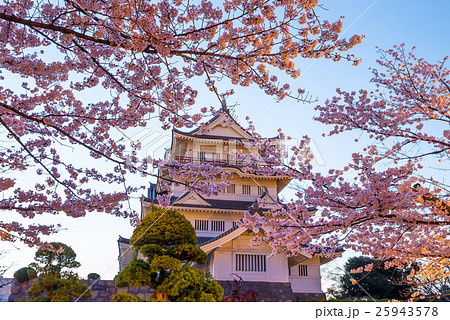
<point x="144" y="54"/>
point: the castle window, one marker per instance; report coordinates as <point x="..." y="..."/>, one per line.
<point x="303" y="270"/>
<point x="231" y="188"/>
<point x="217" y="225"/>
<point x="261" y="190"/>
<point x="246" y="189"/>
<point x="202" y="156"/>
<point x="216" y="156"/>
<point x="251" y="262"/>
<point x="201" y="225"/>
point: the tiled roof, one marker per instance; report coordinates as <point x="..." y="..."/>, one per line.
<point x="203" y="240"/>
<point x="214" y="118"/>
<point x="207" y="122"/>
<point x="230" y="204"/>
<point x="219" y="236"/>
<point x="123" y="240"/>
<point x="218" y="204"/>
<point x="214" y="203"/>
<point x="200" y="240"/>
<point x="206" y="136"/>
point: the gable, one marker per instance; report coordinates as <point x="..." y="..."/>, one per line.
<point x="267" y="202"/>
<point x="220" y="130"/>
<point x="191" y="198"/>
<point x="225" y="126"/>
<point x="224" y="238"/>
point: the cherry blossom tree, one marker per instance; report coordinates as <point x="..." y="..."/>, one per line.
<point x="387" y="202"/>
<point x="145" y="55"/>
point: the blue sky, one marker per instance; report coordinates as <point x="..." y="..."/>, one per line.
<point x="385" y="23"/>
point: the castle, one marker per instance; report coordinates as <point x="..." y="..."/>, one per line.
<point x="280" y="278"/>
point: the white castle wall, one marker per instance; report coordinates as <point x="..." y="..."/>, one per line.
<point x="311" y="283"/>
<point x="224" y="262"/>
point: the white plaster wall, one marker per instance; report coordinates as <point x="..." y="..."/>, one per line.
<point x="311" y="283"/>
<point x="126" y="253"/>
<point x="229" y="218"/>
<point x="278" y="269"/>
<point x="222" y="265"/>
<point x="224" y="131"/>
<point x="224" y="262"/>
<point x="270" y="184"/>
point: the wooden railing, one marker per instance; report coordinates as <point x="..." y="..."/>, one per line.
<point x="217" y="162"/>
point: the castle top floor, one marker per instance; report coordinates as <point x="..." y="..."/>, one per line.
<point x="223" y="142"/>
<point x="220" y="141"/>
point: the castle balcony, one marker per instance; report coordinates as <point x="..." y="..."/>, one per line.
<point x="220" y="162"/>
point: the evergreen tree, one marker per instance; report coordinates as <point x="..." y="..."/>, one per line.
<point x="48" y="288"/>
<point x="374" y="281"/>
<point x="57" y="282"/>
<point x="57" y="262"/>
<point x="24" y="274"/>
<point x="168" y="242"/>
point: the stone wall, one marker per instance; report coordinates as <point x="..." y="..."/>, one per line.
<point x="267" y="291"/>
<point x="272" y="291"/>
<point x="309" y="296"/>
<point x="18" y="290"/>
<point x="102" y="290"/>
<point x="5" y="288"/>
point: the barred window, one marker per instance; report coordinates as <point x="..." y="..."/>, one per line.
<point x="217" y="225"/>
<point x="303" y="270"/>
<point x="201" y="225"/>
<point x="261" y="189"/>
<point x="231" y="188"/>
<point x="246" y="189"/>
<point x="251" y="262"/>
<point x="234" y="224"/>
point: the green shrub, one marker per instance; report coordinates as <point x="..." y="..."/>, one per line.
<point x="51" y="289"/>
<point x="168" y="242"/>
<point x="24" y="274"/>
<point x="57" y="282"/>
<point x="58" y="262"/>
<point x="93" y="276"/>
<point x="123" y="297"/>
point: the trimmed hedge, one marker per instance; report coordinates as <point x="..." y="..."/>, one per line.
<point x="93" y="276"/>
<point x="25" y="274"/>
